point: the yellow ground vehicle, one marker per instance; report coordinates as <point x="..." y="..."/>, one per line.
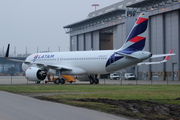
<point x="56" y="80"/>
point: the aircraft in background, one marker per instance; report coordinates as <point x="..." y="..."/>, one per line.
<point x="89" y="63"/>
<point x="158" y="62"/>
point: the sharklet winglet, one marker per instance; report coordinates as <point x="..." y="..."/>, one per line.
<point x="7" y="51"/>
<point x="7" y="56"/>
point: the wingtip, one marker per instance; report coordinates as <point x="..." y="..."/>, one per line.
<point x="167" y="57"/>
<point x="7" y="51"/>
<point x="171" y="50"/>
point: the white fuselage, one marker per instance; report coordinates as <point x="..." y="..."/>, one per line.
<point x="85" y="62"/>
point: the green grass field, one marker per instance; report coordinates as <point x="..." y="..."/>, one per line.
<point x="79" y="95"/>
<point x="125" y="92"/>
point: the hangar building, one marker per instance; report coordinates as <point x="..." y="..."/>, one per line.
<point x="107" y="28"/>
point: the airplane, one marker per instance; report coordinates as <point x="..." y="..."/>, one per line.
<point x="38" y="66"/>
<point x="158" y="62"/>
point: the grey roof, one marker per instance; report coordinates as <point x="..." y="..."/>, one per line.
<point x="120" y="6"/>
<point x="88" y="19"/>
<point x="117" y="6"/>
<point x="145" y="3"/>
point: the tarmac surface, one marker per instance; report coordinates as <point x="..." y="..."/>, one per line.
<point x="22" y="80"/>
<point x="18" y="107"/>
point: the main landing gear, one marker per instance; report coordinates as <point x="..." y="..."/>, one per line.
<point x="93" y="79"/>
<point x="59" y="80"/>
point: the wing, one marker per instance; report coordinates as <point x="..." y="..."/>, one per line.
<point x="40" y="65"/>
<point x="56" y="67"/>
<point x="159" y="55"/>
<point x="64" y="68"/>
<point x="7" y="56"/>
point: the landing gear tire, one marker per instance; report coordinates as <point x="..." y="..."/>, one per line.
<point x="62" y="81"/>
<point x="91" y="81"/>
<point x="57" y="81"/>
<point x="96" y="81"/>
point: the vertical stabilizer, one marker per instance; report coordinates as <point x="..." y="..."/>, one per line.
<point x="137" y="37"/>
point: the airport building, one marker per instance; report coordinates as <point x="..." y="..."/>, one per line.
<point x="11" y="68"/>
<point x="107" y="29"/>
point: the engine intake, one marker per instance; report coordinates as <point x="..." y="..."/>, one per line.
<point x="35" y="74"/>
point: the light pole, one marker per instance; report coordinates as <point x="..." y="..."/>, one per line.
<point x="95" y="5"/>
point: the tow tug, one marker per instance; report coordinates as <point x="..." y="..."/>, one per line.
<point x="64" y="79"/>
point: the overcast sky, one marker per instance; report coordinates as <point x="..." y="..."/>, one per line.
<point x="39" y="23"/>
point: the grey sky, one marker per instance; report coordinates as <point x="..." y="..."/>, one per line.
<point x="39" y="23"/>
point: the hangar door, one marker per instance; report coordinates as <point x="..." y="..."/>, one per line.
<point x="106" y="39"/>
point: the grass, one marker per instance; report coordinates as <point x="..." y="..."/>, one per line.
<point x="156" y="93"/>
<point x="159" y="93"/>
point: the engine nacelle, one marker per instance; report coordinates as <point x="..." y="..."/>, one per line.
<point x="35" y="74"/>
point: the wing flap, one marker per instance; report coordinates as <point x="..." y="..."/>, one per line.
<point x="59" y="67"/>
<point x="56" y="67"/>
<point x="16" y="60"/>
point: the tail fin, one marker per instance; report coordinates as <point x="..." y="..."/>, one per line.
<point x="137" y="37"/>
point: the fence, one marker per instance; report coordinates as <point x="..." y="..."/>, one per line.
<point x="15" y="80"/>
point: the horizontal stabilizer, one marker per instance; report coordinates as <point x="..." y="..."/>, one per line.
<point x="158" y="55"/>
<point x="162" y="55"/>
<point x="126" y="55"/>
<point x="150" y="63"/>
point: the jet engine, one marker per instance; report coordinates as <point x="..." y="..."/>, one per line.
<point x="35" y="74"/>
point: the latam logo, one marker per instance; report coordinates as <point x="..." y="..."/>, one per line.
<point x="43" y="56"/>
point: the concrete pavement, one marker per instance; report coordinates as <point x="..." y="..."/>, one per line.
<point x="18" y="107"/>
